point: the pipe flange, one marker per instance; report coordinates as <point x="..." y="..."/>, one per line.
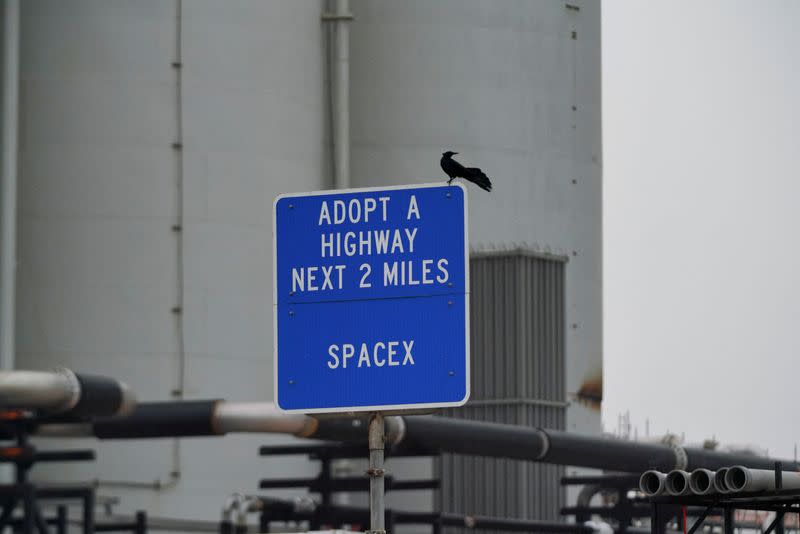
<point x="376" y="472"/>
<point x="74" y="386"/>
<point x="545" y="442"/>
<point x="681" y="458"/>
<point x="470" y="521"/>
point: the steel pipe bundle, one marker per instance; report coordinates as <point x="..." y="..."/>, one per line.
<point x="200" y="418"/>
<point x="727" y="480"/>
<point x="719" y="480"/>
<point x="677" y="482"/>
<point x="429" y="433"/>
<point x="65" y="392"/>
<point x="740" y="479"/>
<point x="652" y="482"/>
<point x="701" y="482"/>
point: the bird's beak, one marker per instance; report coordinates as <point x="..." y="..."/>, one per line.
<point x="454" y="153"/>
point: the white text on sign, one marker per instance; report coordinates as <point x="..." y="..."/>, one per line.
<point x="379" y="354"/>
<point x="367" y="243"/>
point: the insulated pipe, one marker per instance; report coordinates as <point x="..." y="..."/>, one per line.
<point x="65" y="392"/>
<point x="564" y="448"/>
<point x="652" y="483"/>
<point x="628" y="456"/>
<point x="260" y="417"/>
<point x="701" y="482"/>
<point x="472" y="437"/>
<point x="200" y="418"/>
<point x="719" y="480"/>
<point x="741" y="479"/>
<point x="8" y="182"/>
<point x="157" y="420"/>
<point x="56" y="391"/>
<point x="677" y="482"/>
<point x="714" y="460"/>
<point x="428" y="433"/>
<point x="341" y="94"/>
<point x="529" y="443"/>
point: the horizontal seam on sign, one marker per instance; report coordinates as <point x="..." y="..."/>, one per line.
<point x="371" y="299"/>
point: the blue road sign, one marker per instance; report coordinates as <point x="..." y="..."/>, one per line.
<point x="371" y="299"/>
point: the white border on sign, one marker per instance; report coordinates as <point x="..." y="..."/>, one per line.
<point x="385" y="407"/>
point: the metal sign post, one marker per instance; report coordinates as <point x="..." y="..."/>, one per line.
<point x="371" y="306"/>
<point x="377" y="504"/>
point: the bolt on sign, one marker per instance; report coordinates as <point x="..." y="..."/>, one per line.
<point x="371" y="299"/>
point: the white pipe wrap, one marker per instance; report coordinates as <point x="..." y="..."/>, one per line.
<point x="55" y="391"/>
<point x="61" y="390"/>
<point x="260" y="417"/>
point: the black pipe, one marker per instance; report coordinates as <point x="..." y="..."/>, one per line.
<point x="603" y="453"/>
<point x="161" y="419"/>
<point x="445" y="434"/>
<point x="564" y="448"/>
<point x="713" y="460"/>
<point x="526" y="443"/>
<point x="347" y="429"/>
<point x="481" y="438"/>
<point x="100" y="396"/>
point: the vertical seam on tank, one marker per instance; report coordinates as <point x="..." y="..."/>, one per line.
<point x="180" y="318"/>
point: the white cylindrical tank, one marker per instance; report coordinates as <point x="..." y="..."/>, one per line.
<point x="514" y="87"/>
<point x="154" y="136"/>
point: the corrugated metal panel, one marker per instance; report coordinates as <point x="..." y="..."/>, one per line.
<point x="518" y="377"/>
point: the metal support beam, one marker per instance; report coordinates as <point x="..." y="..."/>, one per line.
<point x="699" y="521"/>
<point x="8" y="182"/>
<point x="727" y="520"/>
<point x="341" y="92"/>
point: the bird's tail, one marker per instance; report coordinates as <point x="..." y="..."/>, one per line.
<point x="476" y="176"/>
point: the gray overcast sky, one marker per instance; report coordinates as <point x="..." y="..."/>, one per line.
<point x="702" y="184"/>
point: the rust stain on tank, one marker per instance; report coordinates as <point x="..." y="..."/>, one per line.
<point x="590" y="393"/>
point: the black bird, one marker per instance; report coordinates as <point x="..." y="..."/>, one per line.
<point x="454" y="169"/>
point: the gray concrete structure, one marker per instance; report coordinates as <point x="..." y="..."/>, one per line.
<point x="154" y="136"/>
